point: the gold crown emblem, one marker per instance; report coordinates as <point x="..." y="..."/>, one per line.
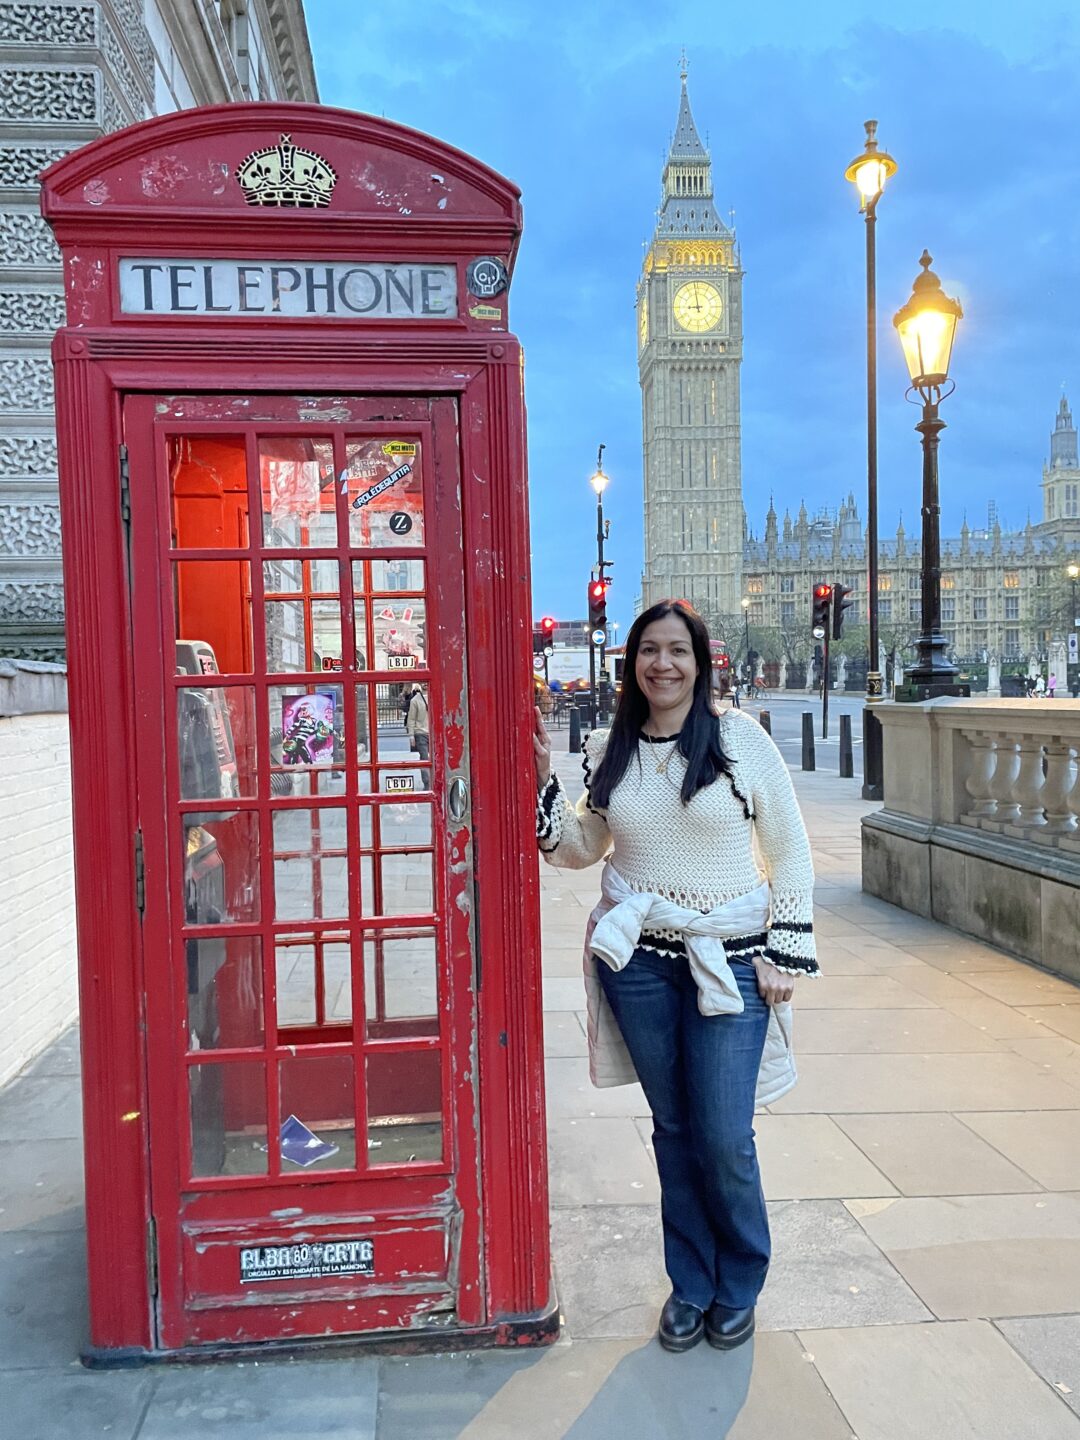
<point x="286" y="174"/>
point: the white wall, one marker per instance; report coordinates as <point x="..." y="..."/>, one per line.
<point x="38" y="972"/>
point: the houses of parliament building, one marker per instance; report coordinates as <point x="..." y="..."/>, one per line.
<point x="1002" y="593"/>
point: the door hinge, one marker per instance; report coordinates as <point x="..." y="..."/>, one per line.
<point x="125" y="488"/>
<point x="140" y="873"/>
<point x="152" y="1255"/>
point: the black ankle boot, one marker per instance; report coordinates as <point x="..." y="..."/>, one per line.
<point x="681" y="1325"/>
<point x="725" y="1329"/>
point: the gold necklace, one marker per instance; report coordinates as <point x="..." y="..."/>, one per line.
<point x="662" y="765"/>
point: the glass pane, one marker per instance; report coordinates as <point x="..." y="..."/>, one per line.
<point x="405" y="825"/>
<point x="363" y="640"/>
<point x="385" y="495"/>
<point x="392" y="707"/>
<point x="392" y="575"/>
<point x="404" y="1095"/>
<point x="401" y="782"/>
<point x="291" y="577"/>
<point x="228" y="1119"/>
<point x="296" y="478"/>
<point x="318" y="1113"/>
<point x="363" y="723"/>
<point x="407" y="884"/>
<point x="314" y="982"/>
<point x="326" y="635"/>
<point x="307" y="740"/>
<point x="212" y="609"/>
<point x="286" y="643"/>
<point x="215" y="727"/>
<point x="310" y="870"/>
<point x="208" y="476"/>
<point x="400" y="635"/>
<point x="221" y="868"/>
<point x="224" y="992"/>
<point x="401" y="993"/>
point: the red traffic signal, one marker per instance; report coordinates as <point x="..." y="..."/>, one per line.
<point x="597" y="605"/>
<point x="547" y="627"/>
<point x="820" y="617"/>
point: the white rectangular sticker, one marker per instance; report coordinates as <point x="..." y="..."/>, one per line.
<point x="306" y="1262"/>
<point x="340" y="289"/>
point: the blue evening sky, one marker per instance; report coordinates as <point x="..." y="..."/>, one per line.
<point x="978" y="100"/>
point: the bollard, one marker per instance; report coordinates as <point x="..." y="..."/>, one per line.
<point x="847" y="759"/>
<point x="765" y="721"/>
<point x="575" y="730"/>
<point x="808" y="762"/>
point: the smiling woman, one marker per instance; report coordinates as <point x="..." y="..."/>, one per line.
<point x="704" y="921"/>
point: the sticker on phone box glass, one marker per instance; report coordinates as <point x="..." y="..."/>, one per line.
<point x="307" y="1261"/>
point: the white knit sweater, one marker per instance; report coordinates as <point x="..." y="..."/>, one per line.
<point x="732" y="835"/>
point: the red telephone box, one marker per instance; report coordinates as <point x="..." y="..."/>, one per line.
<point x="292" y="467"/>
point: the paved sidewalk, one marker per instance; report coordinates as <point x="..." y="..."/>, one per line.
<point x="923" y="1183"/>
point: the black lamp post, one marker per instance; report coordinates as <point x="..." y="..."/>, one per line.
<point x="927" y="328"/>
<point x="746" y="623"/>
<point x="868" y="172"/>
<point x="599" y="482"/>
<point x="1073" y="572"/>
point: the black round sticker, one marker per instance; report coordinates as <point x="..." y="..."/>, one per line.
<point x="400" y="523"/>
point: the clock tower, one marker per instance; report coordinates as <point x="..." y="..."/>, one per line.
<point x="689" y="321"/>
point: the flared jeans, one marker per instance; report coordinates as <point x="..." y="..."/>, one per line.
<point x="699" y="1074"/>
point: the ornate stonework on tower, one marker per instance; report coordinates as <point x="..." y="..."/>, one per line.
<point x="689" y="352"/>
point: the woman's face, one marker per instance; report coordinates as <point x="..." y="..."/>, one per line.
<point x="665" y="667"/>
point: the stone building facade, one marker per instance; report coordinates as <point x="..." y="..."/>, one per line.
<point x="70" y="70"/>
<point x="1003" y="593"/>
<point x="689" y="310"/>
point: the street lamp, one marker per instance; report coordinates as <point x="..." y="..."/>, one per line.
<point x="599" y="481"/>
<point x="927" y="327"/>
<point x="1073" y="572"/>
<point x="746" y="623"/>
<point x="869" y="172"/>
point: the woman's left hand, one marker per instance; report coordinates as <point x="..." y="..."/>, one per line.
<point x="773" y="985"/>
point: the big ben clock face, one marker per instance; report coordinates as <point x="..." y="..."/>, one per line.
<point x="643" y="324"/>
<point x="697" y="305"/>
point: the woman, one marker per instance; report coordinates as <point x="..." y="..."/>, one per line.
<point x="416" y="727"/>
<point x="692" y="953"/>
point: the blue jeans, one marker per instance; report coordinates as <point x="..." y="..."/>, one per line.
<point x="699" y="1074"/>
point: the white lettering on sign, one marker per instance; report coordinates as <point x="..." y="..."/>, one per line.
<point x="306" y="1262"/>
<point x="339" y="289"/>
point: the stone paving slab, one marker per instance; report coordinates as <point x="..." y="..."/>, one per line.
<point x="1051" y="1345"/>
<point x="73" y="1404"/>
<point x="600" y="1161"/>
<point x="287" y="1400"/>
<point x="962" y="1381"/>
<point x="968" y="1256"/>
<point x="932" y="1154"/>
<point x="827" y="1272"/>
<point x="1046" y="1146"/>
<point x="41" y="1185"/>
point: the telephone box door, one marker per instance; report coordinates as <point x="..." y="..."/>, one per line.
<point x="303" y="780"/>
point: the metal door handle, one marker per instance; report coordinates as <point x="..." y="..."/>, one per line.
<point x="458" y="798"/>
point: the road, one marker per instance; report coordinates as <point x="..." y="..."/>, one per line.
<point x="786" y="716"/>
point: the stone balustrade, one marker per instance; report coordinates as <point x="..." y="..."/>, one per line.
<point x="980" y="827"/>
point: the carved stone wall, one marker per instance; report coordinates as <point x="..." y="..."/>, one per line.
<point x="71" y="70"/>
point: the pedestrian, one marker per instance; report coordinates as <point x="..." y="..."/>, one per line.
<point x="416" y="726"/>
<point x="692" y="953"/>
<point x="1051" y="686"/>
<point x="1040" y="686"/>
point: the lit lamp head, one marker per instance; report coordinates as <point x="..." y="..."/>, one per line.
<point x="745" y="603"/>
<point x="927" y="328"/>
<point x="1073" y="571"/>
<point x="869" y="171"/>
<point x="599" y="481"/>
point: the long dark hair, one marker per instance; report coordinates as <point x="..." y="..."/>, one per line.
<point x="699" y="740"/>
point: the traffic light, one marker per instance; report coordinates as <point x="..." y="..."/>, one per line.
<point x="547" y="629"/>
<point x="598" y="610"/>
<point x="819" y="623"/>
<point x="840" y="603"/>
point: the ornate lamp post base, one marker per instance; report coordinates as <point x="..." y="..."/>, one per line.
<point x="930" y="690"/>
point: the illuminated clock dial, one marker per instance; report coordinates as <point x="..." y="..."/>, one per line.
<point x="643" y="324"/>
<point x="697" y="305"/>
